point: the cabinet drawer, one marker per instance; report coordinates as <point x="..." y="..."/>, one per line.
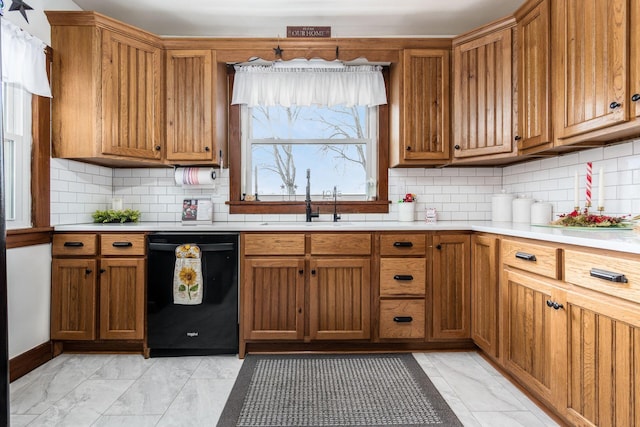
<point x="341" y="244"/>
<point x="74" y="244"/>
<point x="402" y="318"/>
<point x="614" y="274"/>
<point x="122" y="244"/>
<point x="402" y="276"/>
<point x="403" y="244"/>
<point x="532" y="257"/>
<point x="273" y="244"/>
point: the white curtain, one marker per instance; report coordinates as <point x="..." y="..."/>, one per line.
<point x="23" y="60"/>
<point x="323" y="85"/>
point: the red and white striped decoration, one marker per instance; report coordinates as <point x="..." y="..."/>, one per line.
<point x="589" y="180"/>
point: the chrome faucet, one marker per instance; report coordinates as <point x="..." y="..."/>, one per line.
<point x="307" y="200"/>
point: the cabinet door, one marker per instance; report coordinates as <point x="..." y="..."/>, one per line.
<point x="532" y="331"/>
<point x="451" y="287"/>
<point x="339" y="299"/>
<point x="634" y="55"/>
<point x="603" y="363"/>
<point x="534" y="124"/>
<point x="590" y="63"/>
<point x="482" y="74"/>
<point x="190" y="97"/>
<point x="484" y="293"/>
<point x="425" y="105"/>
<point x="73" y="299"/>
<point x="131" y="103"/>
<point x="122" y="298"/>
<point x="273" y="298"/>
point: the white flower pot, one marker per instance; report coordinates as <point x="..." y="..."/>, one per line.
<point x="406" y="212"/>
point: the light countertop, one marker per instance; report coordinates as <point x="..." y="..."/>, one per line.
<point x="611" y="239"/>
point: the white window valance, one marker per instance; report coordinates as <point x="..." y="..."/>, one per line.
<point x="23" y="60"/>
<point x="323" y="83"/>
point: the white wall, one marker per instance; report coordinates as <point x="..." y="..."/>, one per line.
<point x="38" y="24"/>
<point x="29" y="296"/>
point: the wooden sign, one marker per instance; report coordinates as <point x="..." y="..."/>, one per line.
<point x="311" y="32"/>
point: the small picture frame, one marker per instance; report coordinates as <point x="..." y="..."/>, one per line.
<point x="197" y="210"/>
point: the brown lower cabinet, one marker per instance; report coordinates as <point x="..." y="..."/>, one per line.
<point x="305" y="287"/>
<point x="358" y="291"/>
<point x="97" y="287"/>
<point x="571" y="330"/>
<point x="484" y="292"/>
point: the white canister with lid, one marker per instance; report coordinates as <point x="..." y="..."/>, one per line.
<point x="541" y="213"/>
<point x="522" y="209"/>
<point x="501" y="207"/>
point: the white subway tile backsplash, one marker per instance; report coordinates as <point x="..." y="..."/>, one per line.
<point x="78" y="189"/>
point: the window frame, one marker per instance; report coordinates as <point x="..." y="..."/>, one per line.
<point x="40" y="231"/>
<point x="238" y="206"/>
<point x="20" y="154"/>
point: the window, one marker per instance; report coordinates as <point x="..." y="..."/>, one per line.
<point x="250" y="142"/>
<point x="338" y="145"/>
<point x="17" y="156"/>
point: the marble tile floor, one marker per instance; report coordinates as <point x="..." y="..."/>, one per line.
<point x="128" y="390"/>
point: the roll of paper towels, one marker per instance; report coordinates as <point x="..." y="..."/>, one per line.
<point x="522" y="210"/>
<point x="195" y="177"/>
<point x="501" y="208"/>
<point x="541" y="213"/>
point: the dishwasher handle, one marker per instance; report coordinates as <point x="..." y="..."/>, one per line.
<point x="204" y="247"/>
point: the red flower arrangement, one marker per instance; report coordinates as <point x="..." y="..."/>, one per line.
<point x="586" y="219"/>
<point x="409" y="197"/>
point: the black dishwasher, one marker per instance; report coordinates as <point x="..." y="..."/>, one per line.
<point x="210" y="327"/>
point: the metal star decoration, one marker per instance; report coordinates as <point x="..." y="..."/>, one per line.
<point x="278" y="51"/>
<point x="21" y="6"/>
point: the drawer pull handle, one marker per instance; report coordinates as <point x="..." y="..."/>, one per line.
<point x="122" y="244"/>
<point x="74" y="244"/>
<point x="403" y="244"/>
<point x="525" y="256"/>
<point x="403" y="277"/>
<point x="403" y="319"/>
<point x="608" y="275"/>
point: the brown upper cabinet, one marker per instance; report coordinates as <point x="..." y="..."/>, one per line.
<point x="596" y="81"/>
<point x="534" y="73"/>
<point x="634" y="81"/>
<point x="424" y="109"/>
<point x="196" y="122"/>
<point x="106" y="85"/>
<point x="483" y="93"/>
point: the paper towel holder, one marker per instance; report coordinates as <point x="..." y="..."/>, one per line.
<point x="213" y="172"/>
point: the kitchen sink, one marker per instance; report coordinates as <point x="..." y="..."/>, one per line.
<point x="305" y="224"/>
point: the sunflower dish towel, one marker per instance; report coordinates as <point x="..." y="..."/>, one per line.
<point x="187" y="276"/>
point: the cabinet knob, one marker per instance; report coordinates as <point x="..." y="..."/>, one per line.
<point x="517" y="138"/>
<point x="157" y="147"/>
<point x="300" y="271"/>
<point x="554" y="305"/>
<point x="457" y="147"/>
<point x="102" y="270"/>
<point x="207" y="149"/>
<point x="615" y="105"/>
<point x="408" y="148"/>
<point x="635" y="97"/>
<point x="439" y="247"/>
<point x="88" y="271"/>
<point x="313" y="272"/>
